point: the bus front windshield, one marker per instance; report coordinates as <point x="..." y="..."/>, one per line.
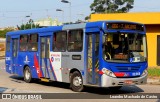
<point x="124" y="47"/>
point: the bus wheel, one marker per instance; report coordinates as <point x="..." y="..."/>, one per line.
<point x="27" y="75"/>
<point x="76" y="82"/>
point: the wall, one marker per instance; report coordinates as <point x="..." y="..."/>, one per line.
<point x="152" y="32"/>
<point x="143" y="17"/>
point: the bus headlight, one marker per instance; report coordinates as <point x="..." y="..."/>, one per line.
<point x="108" y="72"/>
<point x="144" y="72"/>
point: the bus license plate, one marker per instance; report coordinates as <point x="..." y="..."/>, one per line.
<point x="128" y="82"/>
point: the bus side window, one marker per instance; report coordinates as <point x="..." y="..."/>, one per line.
<point x="33" y="42"/>
<point x="8" y="43"/>
<point x="59" y="41"/>
<point x="75" y="40"/>
<point x="23" y="43"/>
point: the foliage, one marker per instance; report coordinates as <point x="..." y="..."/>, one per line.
<point x="87" y="17"/>
<point x="111" y="6"/>
<point x="154" y="72"/>
<point x="4" y="31"/>
<point x="29" y="25"/>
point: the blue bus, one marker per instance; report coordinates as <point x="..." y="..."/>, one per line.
<point x="104" y="54"/>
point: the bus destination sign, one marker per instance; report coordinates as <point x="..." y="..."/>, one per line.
<point x="126" y="26"/>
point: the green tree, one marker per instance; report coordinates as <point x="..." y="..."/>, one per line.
<point x="111" y="6"/>
<point x="4" y="31"/>
<point x="29" y="25"/>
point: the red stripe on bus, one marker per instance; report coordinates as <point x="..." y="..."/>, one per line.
<point x="119" y="74"/>
<point x="53" y="70"/>
<point x="100" y="72"/>
<point x="36" y="64"/>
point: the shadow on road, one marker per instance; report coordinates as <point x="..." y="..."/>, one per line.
<point x="3" y="89"/>
<point x="106" y="91"/>
<point x="88" y="89"/>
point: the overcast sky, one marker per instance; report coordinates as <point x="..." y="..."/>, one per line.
<point x="14" y="12"/>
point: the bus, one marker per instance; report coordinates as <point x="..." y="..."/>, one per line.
<point x="108" y="54"/>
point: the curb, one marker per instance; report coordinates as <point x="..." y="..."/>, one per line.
<point x="153" y="81"/>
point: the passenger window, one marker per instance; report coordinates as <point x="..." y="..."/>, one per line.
<point x="33" y="42"/>
<point x="59" y="43"/>
<point x="8" y="43"/>
<point x="75" y="40"/>
<point x="23" y="42"/>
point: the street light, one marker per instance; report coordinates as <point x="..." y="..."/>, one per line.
<point x="25" y="24"/>
<point x="62" y="13"/>
<point x="65" y="1"/>
<point x="27" y="16"/>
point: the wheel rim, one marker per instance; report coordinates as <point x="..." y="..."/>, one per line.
<point x="77" y="81"/>
<point x="27" y="74"/>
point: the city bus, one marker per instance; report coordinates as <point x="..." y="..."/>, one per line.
<point x="108" y="54"/>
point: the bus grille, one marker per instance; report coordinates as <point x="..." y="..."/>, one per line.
<point x="128" y="68"/>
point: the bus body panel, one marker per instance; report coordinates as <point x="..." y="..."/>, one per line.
<point x="74" y="60"/>
<point x="107" y="81"/>
<point x="28" y="59"/>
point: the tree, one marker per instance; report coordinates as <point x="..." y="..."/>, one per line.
<point x="87" y="17"/>
<point x="5" y="30"/>
<point x="111" y="6"/>
<point x="29" y="25"/>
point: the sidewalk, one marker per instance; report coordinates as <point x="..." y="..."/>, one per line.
<point x="2" y="55"/>
<point x="153" y="80"/>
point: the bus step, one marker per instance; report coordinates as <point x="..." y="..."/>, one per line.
<point x="45" y="80"/>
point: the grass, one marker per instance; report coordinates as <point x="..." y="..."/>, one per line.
<point x="154" y="72"/>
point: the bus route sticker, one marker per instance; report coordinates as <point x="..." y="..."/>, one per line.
<point x="55" y="58"/>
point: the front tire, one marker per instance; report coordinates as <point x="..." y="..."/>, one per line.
<point x="76" y="82"/>
<point x="27" y="75"/>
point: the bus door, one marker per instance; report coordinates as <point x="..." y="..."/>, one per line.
<point x="93" y="59"/>
<point x="45" y="45"/>
<point x="14" y="55"/>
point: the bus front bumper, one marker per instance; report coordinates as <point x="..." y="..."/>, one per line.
<point x="107" y="81"/>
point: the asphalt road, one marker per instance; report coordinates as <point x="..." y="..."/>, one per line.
<point x="14" y="84"/>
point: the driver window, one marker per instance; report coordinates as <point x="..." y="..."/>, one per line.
<point x="115" y="46"/>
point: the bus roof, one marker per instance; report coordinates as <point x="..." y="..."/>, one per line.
<point x="69" y="26"/>
<point x="36" y="30"/>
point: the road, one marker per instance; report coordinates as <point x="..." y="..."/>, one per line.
<point x="14" y="84"/>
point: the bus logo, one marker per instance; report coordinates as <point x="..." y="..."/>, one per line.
<point x="129" y="68"/>
<point x="26" y="60"/>
<point x="52" y="58"/>
<point x="131" y="60"/>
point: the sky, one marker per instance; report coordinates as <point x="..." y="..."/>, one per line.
<point x="14" y="12"/>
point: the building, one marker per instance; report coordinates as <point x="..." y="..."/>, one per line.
<point x="48" y="22"/>
<point x="152" y="23"/>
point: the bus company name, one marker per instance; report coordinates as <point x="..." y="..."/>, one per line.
<point x="55" y="55"/>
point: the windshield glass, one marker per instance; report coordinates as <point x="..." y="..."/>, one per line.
<point x="124" y="47"/>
